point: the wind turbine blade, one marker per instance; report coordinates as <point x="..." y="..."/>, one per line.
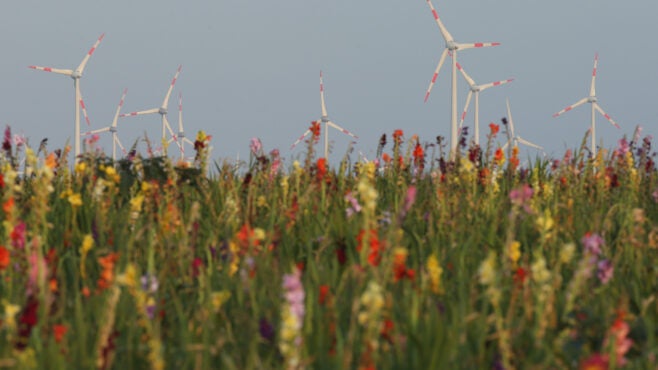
<point x="342" y="129"/>
<point x="477" y="45"/>
<point x="149" y="111"/>
<point x="579" y="102"/>
<point x="186" y="140"/>
<point x="592" y="89"/>
<point x="66" y="72"/>
<point x="511" y="120"/>
<point x="118" y="142"/>
<point x="82" y="65"/>
<point x="98" y="131"/>
<point x="116" y="114"/>
<point x="497" y="83"/>
<point x="84" y="110"/>
<point x="436" y="73"/>
<point x="468" y="101"/>
<point x="526" y="142"/>
<point x="466" y="76"/>
<point x="300" y="139"/>
<point x="444" y="31"/>
<point x="324" y="107"/>
<point x="165" y="103"/>
<point x="180" y="112"/>
<point x="598" y="108"/>
<point x="506" y="144"/>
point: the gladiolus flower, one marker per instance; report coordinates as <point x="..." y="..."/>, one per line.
<point x="397" y="136"/>
<point x="494" y="128"/>
<point x="592" y="243"/>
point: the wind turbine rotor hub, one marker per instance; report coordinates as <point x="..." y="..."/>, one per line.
<point x="451" y="45"/>
<point x="76" y="75"/>
<point x="113" y="129"/>
<point x="324" y="119"/>
<point x="181" y="134"/>
<point x="162" y="110"/>
<point x="592" y="99"/>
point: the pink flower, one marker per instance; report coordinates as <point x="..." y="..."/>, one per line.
<point x="605" y="271"/>
<point x="38" y="272"/>
<point x="592" y="243"/>
<point x="18" y="236"/>
<point x="521" y="196"/>
<point x="256" y="146"/>
<point x="294" y="293"/>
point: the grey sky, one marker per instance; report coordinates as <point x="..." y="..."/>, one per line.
<point x="251" y="68"/>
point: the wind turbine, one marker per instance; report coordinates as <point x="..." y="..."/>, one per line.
<point x="592" y="99"/>
<point x="475" y="89"/>
<point x="327" y="122"/>
<point x="162" y="110"/>
<point x="79" y="103"/>
<point x="451" y="47"/>
<point x="113" y="129"/>
<point x="180" y="139"/>
<point x="513" y="137"/>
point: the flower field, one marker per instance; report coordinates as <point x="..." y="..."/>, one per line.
<point x="410" y="261"/>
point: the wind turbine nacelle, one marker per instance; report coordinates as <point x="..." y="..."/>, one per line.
<point x="113" y="129"/>
<point x="162" y="110"/>
<point x="324" y="119"/>
<point x="451" y="45"/>
<point x="592" y="99"/>
<point x="181" y="134"/>
<point x="76" y="75"/>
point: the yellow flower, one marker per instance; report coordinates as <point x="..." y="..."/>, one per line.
<point x="434" y="271"/>
<point x="540" y="273"/>
<point x="514" y="251"/>
<point x="112" y="174"/>
<point x="567" y="252"/>
<point x="217" y="299"/>
<point x="87" y="243"/>
<point x="487" y="270"/>
<point x="545" y="223"/>
<point x="129" y="276"/>
<point x="136" y="203"/>
<point x="261" y="201"/>
<point x="75" y="199"/>
<point x="10" y="314"/>
<point x="80" y="167"/>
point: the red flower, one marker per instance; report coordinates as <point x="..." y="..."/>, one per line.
<point x="596" y="361"/>
<point x="419" y="155"/>
<point x="324" y="292"/>
<point x="59" y="331"/>
<point x="397" y="136"/>
<point x="4" y="258"/>
<point x="520" y="276"/>
<point x="315" y="130"/>
<point x="494" y="128"/>
<point x="387" y="330"/>
<point x="322" y="168"/>
<point x="375" y="246"/>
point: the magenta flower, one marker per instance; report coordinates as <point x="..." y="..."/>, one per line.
<point x="592" y="243"/>
<point x="18" y="236"/>
<point x="605" y="271"/>
<point x="354" y="207"/>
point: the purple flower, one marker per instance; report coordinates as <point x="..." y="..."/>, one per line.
<point x="592" y="243"/>
<point x="355" y="207"/>
<point x="623" y="146"/>
<point x="605" y="271"/>
<point x="266" y="329"/>
<point x="149" y="283"/>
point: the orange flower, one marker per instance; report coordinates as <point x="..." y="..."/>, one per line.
<point x="499" y="156"/>
<point x="107" y="274"/>
<point x="4" y="258"/>
<point x="324" y="292"/>
<point x="246" y="238"/>
<point x="8" y="206"/>
<point x="59" y="331"/>
<point x="51" y="161"/>
<point x="315" y="130"/>
<point x="386" y="158"/>
<point x="419" y="155"/>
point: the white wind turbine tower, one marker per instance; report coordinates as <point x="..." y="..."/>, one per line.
<point x="79" y="103"/>
<point x="180" y="139"/>
<point x="113" y="129"/>
<point x="451" y="47"/>
<point x="515" y="139"/>
<point x="162" y="110"/>
<point x="592" y="99"/>
<point x="475" y="89"/>
<point x="327" y="122"/>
